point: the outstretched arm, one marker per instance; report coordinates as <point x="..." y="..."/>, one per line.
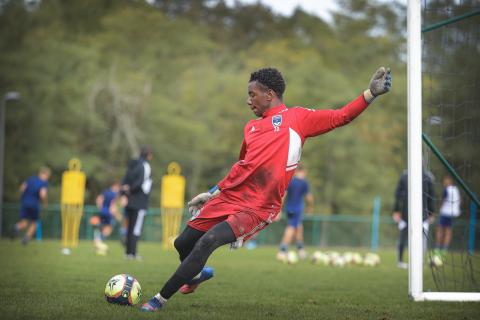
<point x="315" y="122"/>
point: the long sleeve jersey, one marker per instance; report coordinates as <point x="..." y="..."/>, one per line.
<point x="271" y="149"/>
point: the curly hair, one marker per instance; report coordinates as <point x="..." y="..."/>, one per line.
<point x="270" y="78"/>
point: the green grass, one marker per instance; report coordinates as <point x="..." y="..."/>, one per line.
<point x="40" y="283"/>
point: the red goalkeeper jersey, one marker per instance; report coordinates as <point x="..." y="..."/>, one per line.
<point x="271" y="149"/>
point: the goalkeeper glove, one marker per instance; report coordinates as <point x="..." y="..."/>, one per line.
<point x="380" y="83"/>
<point x="197" y="202"/>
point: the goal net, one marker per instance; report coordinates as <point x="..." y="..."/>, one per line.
<point x="449" y="102"/>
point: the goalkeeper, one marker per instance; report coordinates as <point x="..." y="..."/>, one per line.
<point x="249" y="198"/>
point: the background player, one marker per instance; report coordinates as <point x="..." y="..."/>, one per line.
<point x="137" y="185"/>
<point x="34" y="191"/>
<point x="107" y="205"/>
<point x="250" y="196"/>
<point x="449" y="210"/>
<point x="298" y="193"/>
<point x="400" y="211"/>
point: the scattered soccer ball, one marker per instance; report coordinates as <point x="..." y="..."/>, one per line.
<point x="292" y="257"/>
<point x="437" y="261"/>
<point x="316" y="257"/>
<point x="371" y="260"/>
<point x="338" y="261"/>
<point x="348" y="257"/>
<point x="302" y="254"/>
<point x="101" y="249"/>
<point x="123" y="289"/>
<point x="357" y="258"/>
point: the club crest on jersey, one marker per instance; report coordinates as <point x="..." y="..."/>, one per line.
<point x="276" y="122"/>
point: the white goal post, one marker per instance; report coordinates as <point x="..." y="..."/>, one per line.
<point x="415" y="228"/>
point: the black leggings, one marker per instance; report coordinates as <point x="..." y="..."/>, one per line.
<point x="402" y="243"/>
<point x="194" y="248"/>
<point x="186" y="241"/>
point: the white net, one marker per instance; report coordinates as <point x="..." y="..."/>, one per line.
<point x="451" y="122"/>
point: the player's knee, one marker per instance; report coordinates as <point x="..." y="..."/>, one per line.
<point x="207" y="241"/>
<point x="180" y="244"/>
<point x="202" y="249"/>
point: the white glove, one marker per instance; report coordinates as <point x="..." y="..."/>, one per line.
<point x="198" y="201"/>
<point x="380" y="83"/>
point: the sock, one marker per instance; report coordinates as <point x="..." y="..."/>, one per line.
<point x="299" y="245"/>
<point x="283" y="247"/>
<point x="172" y="286"/>
<point x="159" y="297"/>
<point x="197" y="276"/>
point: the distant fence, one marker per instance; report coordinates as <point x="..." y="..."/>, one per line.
<point x="320" y="230"/>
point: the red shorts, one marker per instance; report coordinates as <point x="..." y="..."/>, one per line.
<point x="243" y="221"/>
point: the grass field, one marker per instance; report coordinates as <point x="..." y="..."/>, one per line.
<point x="40" y="283"/>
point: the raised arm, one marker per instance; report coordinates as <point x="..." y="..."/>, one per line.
<point x="315" y="122"/>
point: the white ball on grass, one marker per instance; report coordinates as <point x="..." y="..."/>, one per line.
<point x="292" y="257"/>
<point x="357" y="258"/>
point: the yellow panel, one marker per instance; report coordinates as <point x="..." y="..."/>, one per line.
<point x="73" y="187"/>
<point x="173" y="191"/>
<point x="173" y="187"/>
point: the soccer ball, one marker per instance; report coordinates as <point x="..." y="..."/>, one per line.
<point x="292" y="257"/>
<point x="317" y="256"/>
<point x="338" y="261"/>
<point x="321" y="258"/>
<point x="348" y="257"/>
<point x="332" y="256"/>
<point x="371" y="260"/>
<point x="437" y="260"/>
<point x="357" y="258"/>
<point x="123" y="289"/>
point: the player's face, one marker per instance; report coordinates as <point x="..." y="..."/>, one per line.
<point x="447" y="181"/>
<point x="259" y="99"/>
<point x="44" y="176"/>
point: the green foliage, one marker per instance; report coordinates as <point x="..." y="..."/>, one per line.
<point x="101" y="78"/>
